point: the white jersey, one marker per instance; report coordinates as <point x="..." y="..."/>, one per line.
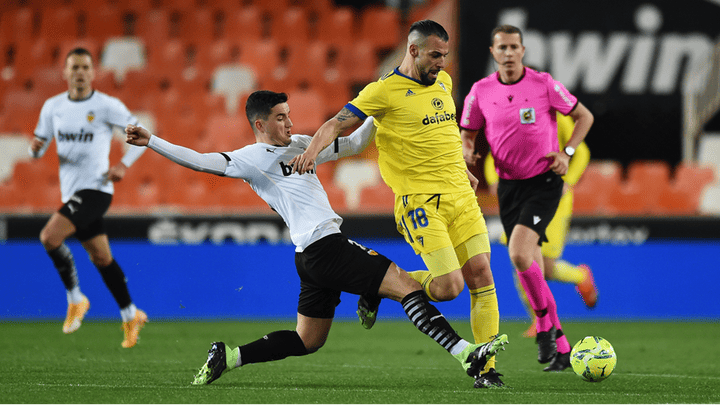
<point x="300" y="200"/>
<point x="83" y="132"/>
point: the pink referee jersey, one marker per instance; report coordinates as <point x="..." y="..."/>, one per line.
<point x="519" y="120"/>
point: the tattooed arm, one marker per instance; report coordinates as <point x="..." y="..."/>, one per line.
<point x="323" y="137"/>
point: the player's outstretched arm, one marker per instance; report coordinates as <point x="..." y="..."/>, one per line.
<point x="323" y="137"/>
<point x="214" y="163"/>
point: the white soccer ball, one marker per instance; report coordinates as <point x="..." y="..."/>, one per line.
<point x="593" y="358"/>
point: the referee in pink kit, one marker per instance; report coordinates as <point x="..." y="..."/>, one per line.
<point x="516" y="108"/>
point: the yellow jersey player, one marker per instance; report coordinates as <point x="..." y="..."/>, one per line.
<point x="555" y="269"/>
<point x="420" y="158"/>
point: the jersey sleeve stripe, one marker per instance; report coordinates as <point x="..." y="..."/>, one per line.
<point x="356" y="111"/>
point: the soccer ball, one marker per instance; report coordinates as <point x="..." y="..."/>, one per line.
<point x="593" y="358"/>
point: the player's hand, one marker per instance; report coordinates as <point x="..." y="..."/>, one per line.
<point x="302" y="163"/>
<point x="37" y="144"/>
<point x="471" y="157"/>
<point x="137" y="135"/>
<point x="474" y="182"/>
<point x="115" y="173"/>
<point x="560" y="162"/>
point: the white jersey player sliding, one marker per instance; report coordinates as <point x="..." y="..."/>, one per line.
<point x="327" y="262"/>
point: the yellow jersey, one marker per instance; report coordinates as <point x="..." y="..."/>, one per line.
<point x="418" y="139"/>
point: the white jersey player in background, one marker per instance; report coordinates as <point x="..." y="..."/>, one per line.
<point x="81" y="121"/>
<point x="327" y="262"/>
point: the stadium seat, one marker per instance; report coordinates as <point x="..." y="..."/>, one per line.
<point x="263" y="56"/>
<point x="169" y="59"/>
<point x="307" y="110"/>
<point x="154" y="29"/>
<point x="207" y="57"/>
<point x="336" y="27"/>
<point x="328" y="75"/>
<point x="380" y="26"/>
<point x="102" y="22"/>
<point x="18" y="24"/>
<point x="693" y="179"/>
<point x="290" y="27"/>
<point x="135" y="194"/>
<point x="336" y="198"/>
<point x="677" y="201"/>
<point x="354" y="175"/>
<point x="12" y="200"/>
<point x="14" y="149"/>
<point x="197" y="25"/>
<point x="627" y="201"/>
<point x="710" y="200"/>
<point x="232" y="81"/>
<point x="361" y="63"/>
<point x="48" y="82"/>
<point x="244" y="25"/>
<point x="59" y="23"/>
<point x="227" y="133"/>
<point x="27" y="55"/>
<point x="651" y="179"/>
<point x="584" y="202"/>
<point x="376" y="199"/>
<point x="237" y="197"/>
<point x="709" y="151"/>
<point x="599" y="184"/>
<point x="123" y="54"/>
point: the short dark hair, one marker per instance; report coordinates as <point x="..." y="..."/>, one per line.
<point x="429" y="27"/>
<point x="260" y="103"/>
<point x="505" y="29"/>
<point x="78" y="51"/>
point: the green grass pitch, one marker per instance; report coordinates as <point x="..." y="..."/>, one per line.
<point x="663" y="362"/>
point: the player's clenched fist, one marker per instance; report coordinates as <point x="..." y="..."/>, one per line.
<point x="137" y="135"/>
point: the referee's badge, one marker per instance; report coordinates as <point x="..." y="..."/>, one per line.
<point x="91" y="116"/>
<point x="527" y="115"/>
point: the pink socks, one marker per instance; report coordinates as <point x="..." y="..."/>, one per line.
<point x="542" y="302"/>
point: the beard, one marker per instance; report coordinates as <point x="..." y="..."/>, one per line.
<point x="425" y="79"/>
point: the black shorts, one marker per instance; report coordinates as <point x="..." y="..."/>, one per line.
<point x="85" y="209"/>
<point x="334" y="264"/>
<point x="531" y="202"/>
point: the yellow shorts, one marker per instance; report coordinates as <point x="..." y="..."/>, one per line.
<point x="557" y="229"/>
<point x="438" y="225"/>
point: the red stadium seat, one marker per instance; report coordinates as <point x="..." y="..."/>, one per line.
<point x="380" y="26"/>
<point x="651" y="179"/>
<point x="377" y="199"/>
<point x="599" y="184"/>
<point x="244" y="25"/>
<point x="59" y="23"/>
<point x="290" y="27"/>
<point x="18" y="24"/>
<point x="307" y="110"/>
<point x="692" y="179"/>
<point x="336" y="27"/>
<point x="102" y="22"/>
<point x="227" y="133"/>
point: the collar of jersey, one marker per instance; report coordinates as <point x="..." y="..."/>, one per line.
<point x="397" y="72"/>
<point x="82" y="99"/>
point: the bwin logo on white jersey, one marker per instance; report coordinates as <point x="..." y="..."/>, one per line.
<point x="287" y="169"/>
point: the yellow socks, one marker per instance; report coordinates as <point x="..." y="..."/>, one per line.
<point x="484" y="316"/>
<point x="567" y="273"/>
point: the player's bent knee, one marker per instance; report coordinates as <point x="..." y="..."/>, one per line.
<point x="446" y="288"/>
